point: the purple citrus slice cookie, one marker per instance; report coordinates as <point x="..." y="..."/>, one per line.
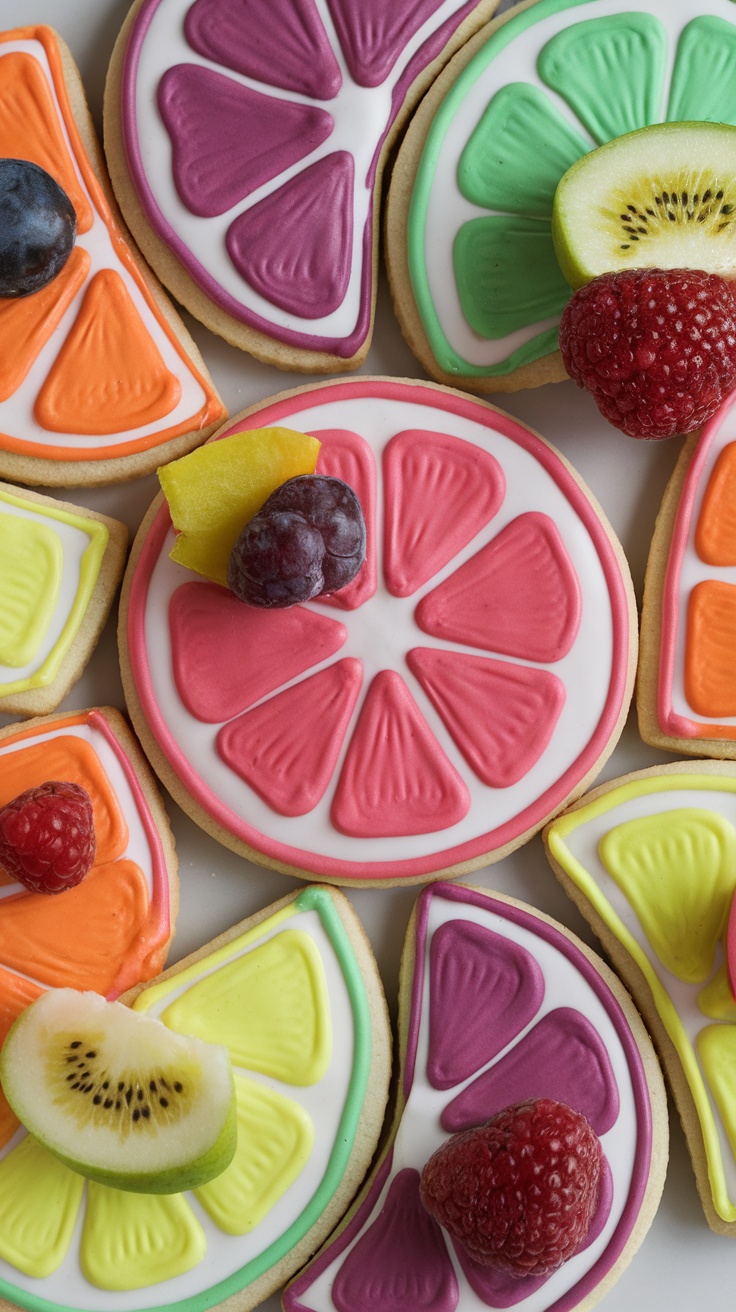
<point x="498" y="1005"/>
<point x="428" y="718"/>
<point x="247" y="144"/>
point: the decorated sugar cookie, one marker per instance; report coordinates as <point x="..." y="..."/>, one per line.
<point x="59" y="569"/>
<point x="100" y="382"/>
<point x="246" y="145"/>
<point x="686" y="692"/>
<point x="499" y="1005"/>
<point x="113" y="928"/>
<point x="649" y="860"/>
<point x="429" y="717"/>
<point x="476" y="283"/>
<point x="294" y="996"/>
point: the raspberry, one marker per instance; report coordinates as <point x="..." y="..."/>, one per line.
<point x="47" y="837"/>
<point x="520" y="1192"/>
<point x="656" y="348"/>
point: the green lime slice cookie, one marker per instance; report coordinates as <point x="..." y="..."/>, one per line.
<point x="476" y="283"/>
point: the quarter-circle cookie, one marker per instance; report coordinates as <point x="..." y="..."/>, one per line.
<point x="481" y="1027"/>
<point x="438" y="712"/>
<point x="295" y="995"/>
<point x="475" y="282"/>
<point x="254" y="189"/>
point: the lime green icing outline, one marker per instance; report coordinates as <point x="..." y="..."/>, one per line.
<point x="312" y="899"/>
<point x="447" y="357"/>
<point x="89" y="570"/>
<point x="576" y="871"/>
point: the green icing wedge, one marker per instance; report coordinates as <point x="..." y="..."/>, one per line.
<point x="703" y="84"/>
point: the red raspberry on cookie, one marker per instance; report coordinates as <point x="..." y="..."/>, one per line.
<point x="47" y="837"/>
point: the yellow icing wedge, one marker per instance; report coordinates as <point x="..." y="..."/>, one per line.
<point x="650" y="860"/>
<point x="295" y="996"/>
<point x="214" y="491"/>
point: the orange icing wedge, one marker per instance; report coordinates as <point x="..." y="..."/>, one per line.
<point x="109" y="375"/>
<point x="710" y="649"/>
<point x="26" y="324"/>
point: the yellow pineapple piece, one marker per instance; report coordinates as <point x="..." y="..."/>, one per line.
<point x="215" y="490"/>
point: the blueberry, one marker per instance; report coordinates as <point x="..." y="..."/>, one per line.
<point x="307" y="539"/>
<point x="38" y="226"/>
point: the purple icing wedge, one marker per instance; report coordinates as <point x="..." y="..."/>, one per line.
<point x="247" y="140"/>
<point x="497" y="1001"/>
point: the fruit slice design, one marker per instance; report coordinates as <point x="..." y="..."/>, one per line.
<point x="70" y="393"/>
<point x="486" y="976"/>
<point x="470" y="721"/>
<point x="114" y="928"/>
<point x="687" y="695"/>
<point x="261" y="172"/>
<point x="649" y="860"/>
<point x="55" y="562"/>
<point x="472" y="233"/>
<point x="296" y="999"/>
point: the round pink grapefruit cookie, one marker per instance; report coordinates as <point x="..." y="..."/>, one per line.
<point x="686" y="692"/>
<point x="247" y="143"/>
<point x="498" y="1005"/>
<point x="432" y="715"/>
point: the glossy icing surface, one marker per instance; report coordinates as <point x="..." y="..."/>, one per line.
<point x="551" y="83"/>
<point x="278" y="996"/>
<point x="417" y="785"/>
<point x="503" y="1007"/>
<point x="94" y="371"/>
<point x="655" y="858"/>
<point x="696" y="695"/>
<point x="49" y="564"/>
<point x="260" y="173"/>
<point x="121" y="907"/>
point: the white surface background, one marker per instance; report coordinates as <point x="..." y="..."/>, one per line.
<point x="681" y="1264"/>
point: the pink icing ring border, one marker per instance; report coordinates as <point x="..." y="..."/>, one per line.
<point x="535" y="815"/>
<point x="642" y="1158"/>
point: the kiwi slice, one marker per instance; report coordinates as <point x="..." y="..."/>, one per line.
<point x="662" y="197"/>
<point x="119" y="1097"/>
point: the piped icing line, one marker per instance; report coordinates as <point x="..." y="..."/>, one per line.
<point x="152" y="580"/>
<point x="56" y="596"/>
<point x="685" y="570"/>
<point x="365" y="116"/>
<point x="323" y="1286"/>
<point x="43" y="387"/>
<point x="681" y="798"/>
<point x="559" y="104"/>
<point x="190" y="1258"/>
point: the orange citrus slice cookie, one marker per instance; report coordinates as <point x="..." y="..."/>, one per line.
<point x="114" y="928"/>
<point x="650" y="860"/>
<point x="246" y="145"/>
<point x="295" y="996"/>
<point x="433" y="714"/>
<point x="101" y="382"/>
<point x="59" y="569"/>
<point x="498" y="1004"/>
<point x="686" y="693"/>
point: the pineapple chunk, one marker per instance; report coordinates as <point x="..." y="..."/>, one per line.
<point x="215" y="490"/>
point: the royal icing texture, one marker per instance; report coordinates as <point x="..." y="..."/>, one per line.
<point x="503" y="1008"/>
<point x="551" y="83"/>
<point x="113" y="929"/>
<point x="268" y="200"/>
<point x="449" y="686"/>
<point x="696" y="689"/>
<point x="49" y="565"/>
<point x="655" y="859"/>
<point x="92" y="369"/>
<point x="288" y="999"/>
